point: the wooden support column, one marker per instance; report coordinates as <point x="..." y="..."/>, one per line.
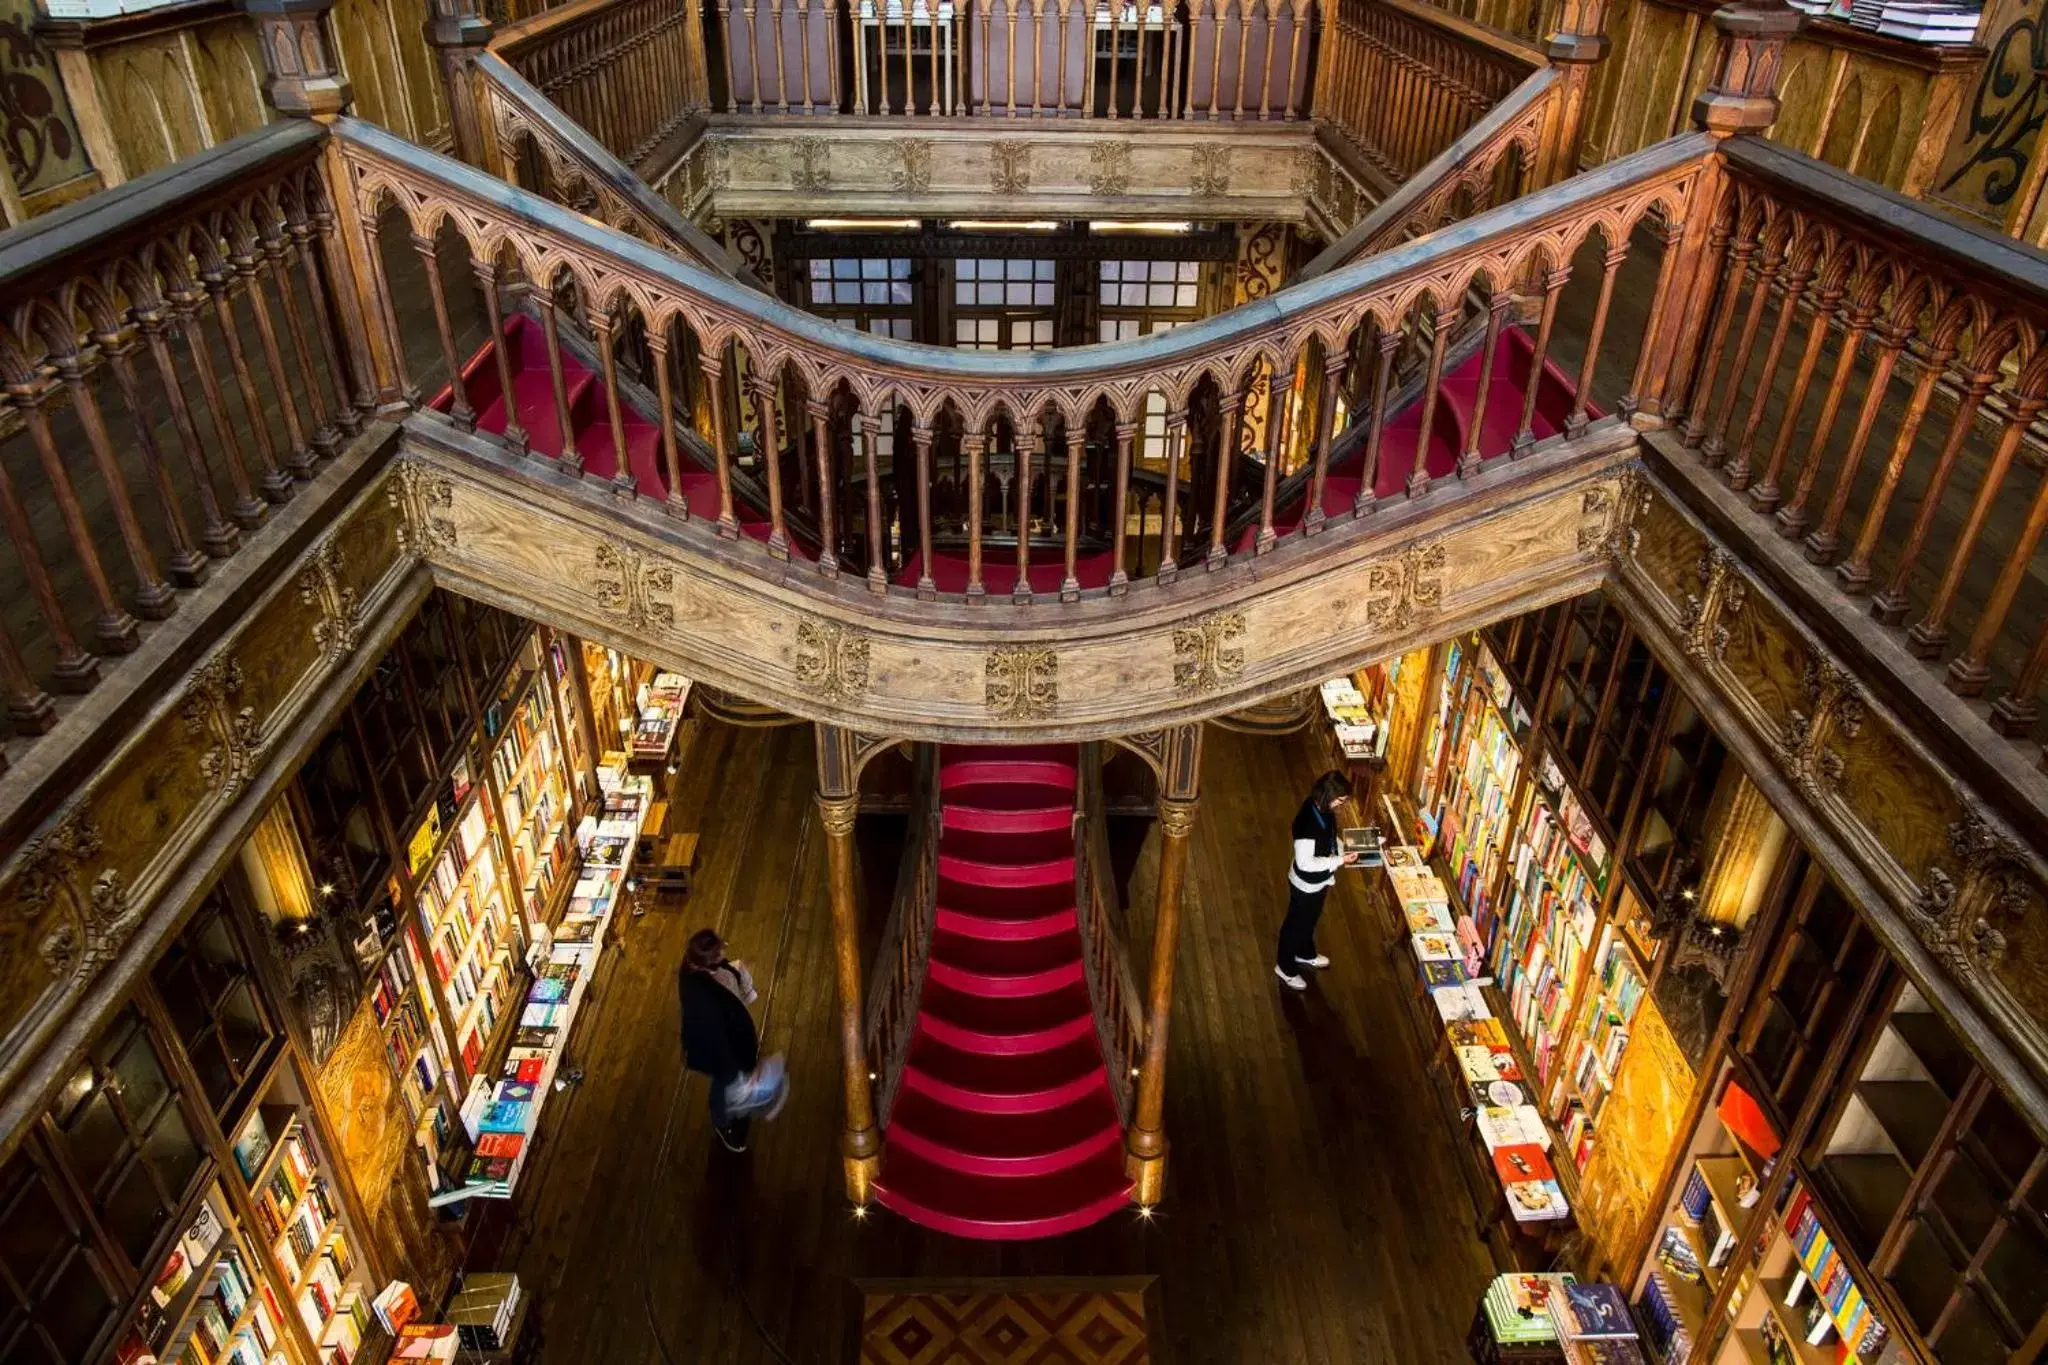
<point x="458" y="33"/>
<point x="860" y="1141"/>
<point x="1179" y="789"/>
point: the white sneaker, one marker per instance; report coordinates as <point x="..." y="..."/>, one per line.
<point x="1319" y="961"/>
<point x="1296" y="982"/>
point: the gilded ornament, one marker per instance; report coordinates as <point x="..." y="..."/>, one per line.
<point x="831" y="659"/>
<point x="632" y="589"/>
<point x="1208" y="652"/>
<point x="1109" y="167"/>
<point x="1021" y="682"/>
<point x="1010" y="167"/>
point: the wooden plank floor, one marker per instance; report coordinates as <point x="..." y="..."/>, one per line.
<point x="1313" y="1213"/>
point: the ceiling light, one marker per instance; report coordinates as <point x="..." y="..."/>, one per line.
<point x="1115" y="225"/>
<point x="998" y="225"/>
<point x="862" y="224"/>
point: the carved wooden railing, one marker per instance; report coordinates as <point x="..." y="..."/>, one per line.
<point x="1488" y="164"/>
<point x="620" y="69"/>
<point x="852" y="383"/>
<point x="1403" y="81"/>
<point x="1113" y="990"/>
<point x="1107" y="59"/>
<point x="1870" y="379"/>
<point x="541" y="149"/>
<point x="181" y="353"/>
<point x="904" y="952"/>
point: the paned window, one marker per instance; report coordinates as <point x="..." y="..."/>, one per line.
<point x="210" y="995"/>
<point x="864" y="293"/>
<point x="1138" y="298"/>
<point x="1003" y="305"/>
<point x="56" y="1295"/>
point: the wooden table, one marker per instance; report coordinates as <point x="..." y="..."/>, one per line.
<point x="670" y="868"/>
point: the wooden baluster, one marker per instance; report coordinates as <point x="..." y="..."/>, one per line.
<point x="570" y="458"/>
<point x="1279" y="434"/>
<point x="276" y="484"/>
<point x="31" y="710"/>
<point x="820" y="414"/>
<point x="1169" y="530"/>
<point x="1792" y="518"/>
<point x="217" y="536"/>
<point x="116" y="631"/>
<point x="324" y="439"/>
<point x="1297" y="25"/>
<point x="1769" y="263"/>
<point x="971" y="446"/>
<point x="1138" y="86"/>
<point x="1736" y="268"/>
<point x="1890" y="605"/>
<point x="1088" y="57"/>
<point x="1059" y="93"/>
<point x="1077" y="442"/>
<point x="1037" y="53"/>
<point x="664" y="396"/>
<point x="1553" y="285"/>
<point x="1970" y="670"/>
<point x="1266" y="60"/>
<point x="1853" y="573"/>
<point x="860" y="59"/>
<point x="1029" y="435"/>
<point x="75" y="670"/>
<point x="487" y="276"/>
<point x="1168" y="104"/>
<point x="1418" y="475"/>
<point x="1610" y="264"/>
<point x="1010" y="54"/>
<point x="624" y="483"/>
<point x="248" y="510"/>
<point x="771" y="460"/>
<point x="1764" y="494"/>
<point x="117" y="344"/>
<point x="406" y="391"/>
<point x="753" y="53"/>
<point x="939" y="28"/>
<point x="1892" y="338"/>
<point x="155" y="599"/>
<point x="2016" y="712"/>
<point x="1388" y="346"/>
<point x="1498" y="302"/>
<point x="1116" y="19"/>
<point x="1184" y="82"/>
<point x="1244" y="43"/>
<point x="1737" y="468"/>
<point x="868" y="431"/>
<point x="712" y="363"/>
<point x="909" y="61"/>
<point x="1928" y="637"/>
<point x="1334" y="364"/>
<point x="921" y="442"/>
<point x="833" y="94"/>
<point x="730" y="33"/>
<point x="459" y="409"/>
<point x="982" y="12"/>
<point x="803" y="51"/>
<point x="1230" y="437"/>
<point x="1216" y="59"/>
<point x="1119" y="580"/>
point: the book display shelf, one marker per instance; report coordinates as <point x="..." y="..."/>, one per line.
<point x="531" y="780"/>
<point x="1474" y="769"/>
<point x="1555" y="882"/>
<point x="661" y="701"/>
<point x="209" y="1303"/>
<point x="1615" y="993"/>
<point x="300" y="1223"/>
<point x="466" y="925"/>
<point x="502" y="1109"/>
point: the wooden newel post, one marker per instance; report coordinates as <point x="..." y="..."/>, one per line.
<point x="1145" y="1145"/>
<point x="860" y="1143"/>
<point x="458" y="33"/>
<point x="1575" y="49"/>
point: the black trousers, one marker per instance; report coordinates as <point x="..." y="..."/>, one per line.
<point x="1298" y="930"/>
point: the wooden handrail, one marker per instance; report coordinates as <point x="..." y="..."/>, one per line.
<point x="896" y="981"/>
<point x="619" y="68"/>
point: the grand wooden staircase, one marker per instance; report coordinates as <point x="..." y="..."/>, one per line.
<point x="1005" y="1126"/>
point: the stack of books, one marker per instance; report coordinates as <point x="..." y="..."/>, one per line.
<point x="1594" y="1326"/>
<point x="485" y="1310"/>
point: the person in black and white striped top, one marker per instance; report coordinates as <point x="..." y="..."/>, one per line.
<point x="1317" y="856"/>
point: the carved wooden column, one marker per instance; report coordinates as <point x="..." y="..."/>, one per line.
<point x="1179" y="788"/>
<point x="1575" y="49"/>
<point x="458" y="33"/>
<point x="302" y="76"/>
<point x="860" y="1142"/>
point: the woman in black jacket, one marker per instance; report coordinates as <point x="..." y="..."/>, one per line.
<point x="719" y="1038"/>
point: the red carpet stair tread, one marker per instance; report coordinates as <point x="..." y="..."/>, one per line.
<point x="1004" y="1126"/>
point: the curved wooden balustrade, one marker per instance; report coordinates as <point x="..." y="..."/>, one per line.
<point x="1069" y="418"/>
<point x="1870" y="377"/>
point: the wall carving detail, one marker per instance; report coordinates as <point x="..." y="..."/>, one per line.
<point x="831" y="659"/>
<point x="1831" y="707"/>
<point x="1109" y="167"/>
<point x="323" y="587"/>
<point x="1405" y="589"/>
<point x="633" y="590"/>
<point x="422" y="499"/>
<point x="1021" y="682"/>
<point x="810" y="164"/>
<point x="1010" y="167"/>
<point x="214" y="713"/>
<point x="914" y="176"/>
<point x="1211" y="173"/>
<point x="1704" y="617"/>
<point x="1208" y="652"/>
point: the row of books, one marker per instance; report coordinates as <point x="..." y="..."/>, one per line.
<point x="1552" y="907"/>
<point x="444" y="878"/>
<point x="346" y="1330"/>
<point x="661" y="711"/>
<point x="1822" y="1269"/>
<point x="1663" y="1321"/>
<point x="292" y="1184"/>
<point x="1919" y="21"/>
<point x="1512" y="1129"/>
<point x="325" y="1284"/>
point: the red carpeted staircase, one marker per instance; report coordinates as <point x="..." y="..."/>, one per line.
<point x="590" y="429"/>
<point x="1003" y="1126"/>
